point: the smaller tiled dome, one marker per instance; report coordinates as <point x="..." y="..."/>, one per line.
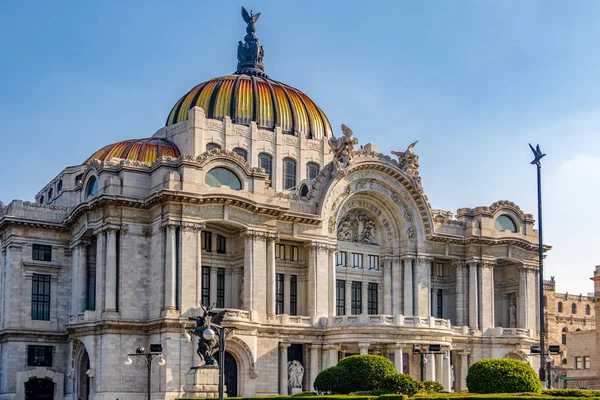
<point x="147" y="150"/>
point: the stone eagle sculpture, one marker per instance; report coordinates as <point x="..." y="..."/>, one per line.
<point x="250" y="19"/>
<point x="408" y="160"/>
<point x="343" y="149"/>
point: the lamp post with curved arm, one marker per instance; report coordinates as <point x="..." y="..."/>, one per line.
<point x="148" y="356"/>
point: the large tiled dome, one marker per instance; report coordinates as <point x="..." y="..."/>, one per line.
<point x="246" y="98"/>
<point x="147" y="150"/>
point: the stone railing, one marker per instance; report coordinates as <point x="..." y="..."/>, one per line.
<point x="293" y="320"/>
<point x="234" y="315"/>
<point x="389" y="320"/>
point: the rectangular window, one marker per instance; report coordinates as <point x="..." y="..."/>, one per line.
<point x="577" y="362"/>
<point x="357" y="260"/>
<point x="374" y="262"/>
<point x="221" y="244"/>
<point x="340" y="297"/>
<point x="207" y="241"/>
<point x="279" y="293"/>
<point x="221" y="288"/>
<point x="356" y="303"/>
<point x="340" y="258"/>
<point x="293" y="253"/>
<point x="440" y="303"/>
<point x="39" y="356"/>
<point x="205" y="286"/>
<point x="437" y="270"/>
<point x="586" y="362"/>
<point x="372" y="304"/>
<point x="294" y="295"/>
<point x="42" y="252"/>
<point x="40" y="297"/>
<point x="280" y="252"/>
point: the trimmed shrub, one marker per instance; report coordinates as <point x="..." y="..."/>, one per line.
<point x="572" y="392"/>
<point x="432" y="386"/>
<point x="402" y="384"/>
<point x="361" y="373"/>
<point x="502" y="375"/>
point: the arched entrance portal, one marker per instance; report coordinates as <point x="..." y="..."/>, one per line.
<point x="83" y="380"/>
<point x="231" y="375"/>
<point x="39" y="389"/>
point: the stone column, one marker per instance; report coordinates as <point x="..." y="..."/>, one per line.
<point x="314" y="364"/>
<point x="430" y="367"/>
<point x="170" y="268"/>
<point x="408" y="286"/>
<point x="439" y="365"/>
<point x="486" y="298"/>
<point x="82" y="276"/>
<point x="461" y="381"/>
<point x="398" y="357"/>
<point x="318" y="279"/>
<point x="422" y="286"/>
<point x="348" y="299"/>
<point x="396" y="286"/>
<point x="522" y="309"/>
<point x="111" y="270"/>
<point x="364" y="347"/>
<point x="473" y="315"/>
<point x="100" y="270"/>
<point x="330" y="355"/>
<point x="271" y="277"/>
<point x="283" y="368"/>
<point x="199" y="266"/>
<point x="447" y="373"/>
<point x="247" y="283"/>
<point x="332" y="281"/>
<point x="365" y="295"/>
<point x="387" y="286"/>
<point x="533" y="298"/>
<point x="460" y="293"/>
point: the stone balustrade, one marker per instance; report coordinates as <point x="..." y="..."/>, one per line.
<point x="390" y="320"/>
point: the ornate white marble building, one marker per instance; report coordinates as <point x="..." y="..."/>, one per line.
<point x="318" y="248"/>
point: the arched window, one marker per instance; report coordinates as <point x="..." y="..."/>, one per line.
<point x="223" y="177"/>
<point x="312" y="170"/>
<point x="50" y="192"/>
<point x="573" y="308"/>
<point x="303" y="191"/>
<point x="41" y="199"/>
<point x="212" y="146"/>
<point x="588" y="310"/>
<point x="92" y="187"/>
<point x="289" y="173"/>
<point x="560" y="306"/>
<point x="241" y="152"/>
<point x="60" y="185"/>
<point x="266" y="162"/>
<point x="564" y="335"/>
<point x="504" y="223"/>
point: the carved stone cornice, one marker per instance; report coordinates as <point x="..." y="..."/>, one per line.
<point x="319" y="245"/>
<point x="528" y="267"/>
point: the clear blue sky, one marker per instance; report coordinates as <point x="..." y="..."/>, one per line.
<point x="473" y="81"/>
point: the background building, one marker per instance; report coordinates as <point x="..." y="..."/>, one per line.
<point x="245" y="199"/>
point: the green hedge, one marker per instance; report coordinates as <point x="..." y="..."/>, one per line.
<point x="572" y="393"/>
<point x="502" y="375"/>
<point x="360" y="373"/>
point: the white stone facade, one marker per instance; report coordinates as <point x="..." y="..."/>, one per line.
<point x="360" y="263"/>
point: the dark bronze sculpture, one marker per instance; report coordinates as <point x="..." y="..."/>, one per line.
<point x="207" y="348"/>
<point x="250" y="53"/>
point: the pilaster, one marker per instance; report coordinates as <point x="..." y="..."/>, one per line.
<point x="486" y="299"/>
<point x="473" y="298"/>
<point x="397" y="289"/>
<point x="387" y="285"/>
<point x="461" y="310"/>
<point x="422" y="286"/>
<point x="283" y="369"/>
<point x="408" y="285"/>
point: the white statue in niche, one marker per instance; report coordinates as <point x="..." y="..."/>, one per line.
<point x="295" y="374"/>
<point x="512" y="314"/>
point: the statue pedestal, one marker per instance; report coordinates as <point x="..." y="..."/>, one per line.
<point x="202" y="382"/>
<point x="296" y="391"/>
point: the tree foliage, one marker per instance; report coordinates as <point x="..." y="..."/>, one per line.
<point x="502" y="375"/>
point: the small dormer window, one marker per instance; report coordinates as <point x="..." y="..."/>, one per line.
<point x="241" y="152"/>
<point x="505" y="223"/>
<point x="41" y="199"/>
<point x="59" y="185"/>
<point x="92" y="187"/>
<point x="50" y="193"/>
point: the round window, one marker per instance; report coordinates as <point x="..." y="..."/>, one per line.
<point x="504" y="223"/>
<point x="223" y="177"/>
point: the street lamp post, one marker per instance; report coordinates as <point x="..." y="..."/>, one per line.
<point x="537" y="153"/>
<point x="148" y="356"/>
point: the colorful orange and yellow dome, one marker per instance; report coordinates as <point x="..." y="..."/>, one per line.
<point x="147" y="150"/>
